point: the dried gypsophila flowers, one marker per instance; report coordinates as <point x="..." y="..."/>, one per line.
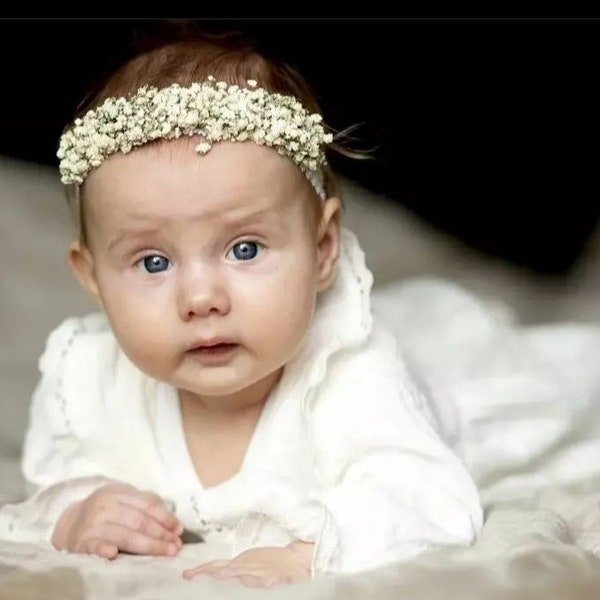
<point x="215" y="110"/>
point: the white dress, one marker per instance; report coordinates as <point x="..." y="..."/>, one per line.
<point x="345" y="453"/>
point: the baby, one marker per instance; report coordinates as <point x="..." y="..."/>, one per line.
<point x="235" y="383"/>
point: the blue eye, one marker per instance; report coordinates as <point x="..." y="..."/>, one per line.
<point x="155" y="263"/>
<point x="244" y="251"/>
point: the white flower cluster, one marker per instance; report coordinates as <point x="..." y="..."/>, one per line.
<point x="212" y="109"/>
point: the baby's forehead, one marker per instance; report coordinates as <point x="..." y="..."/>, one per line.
<point x="169" y="177"/>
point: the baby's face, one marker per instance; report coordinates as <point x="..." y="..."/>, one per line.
<point x="207" y="266"/>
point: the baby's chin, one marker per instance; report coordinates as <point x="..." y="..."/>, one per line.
<point x="229" y="388"/>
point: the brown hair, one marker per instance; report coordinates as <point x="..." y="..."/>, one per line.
<point x="182" y="52"/>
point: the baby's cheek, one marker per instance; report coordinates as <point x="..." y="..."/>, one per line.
<point x="288" y="323"/>
<point x="148" y="356"/>
<point x="141" y="336"/>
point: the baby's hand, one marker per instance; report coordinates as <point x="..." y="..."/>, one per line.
<point x="261" y="567"/>
<point x="118" y="518"/>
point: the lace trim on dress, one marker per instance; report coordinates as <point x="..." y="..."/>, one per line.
<point x="59" y="395"/>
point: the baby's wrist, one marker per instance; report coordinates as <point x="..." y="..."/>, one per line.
<point x="63" y="526"/>
<point x="304" y="551"/>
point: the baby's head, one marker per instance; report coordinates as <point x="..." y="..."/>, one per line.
<point x="207" y="250"/>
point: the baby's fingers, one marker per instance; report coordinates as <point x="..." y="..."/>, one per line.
<point x="134" y="542"/>
<point x="137" y="520"/>
<point x="98" y="547"/>
<point x="248" y="575"/>
<point x="208" y="568"/>
<point x="154" y="506"/>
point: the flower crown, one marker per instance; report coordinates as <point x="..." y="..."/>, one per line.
<point x="213" y="109"/>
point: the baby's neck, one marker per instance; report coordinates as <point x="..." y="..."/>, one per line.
<point x="218" y="430"/>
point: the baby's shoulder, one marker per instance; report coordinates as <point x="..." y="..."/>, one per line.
<point x="377" y="359"/>
<point x="365" y="387"/>
<point x="77" y="368"/>
<point x="87" y="339"/>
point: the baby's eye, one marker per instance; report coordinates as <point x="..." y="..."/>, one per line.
<point x="244" y="251"/>
<point x="154" y="263"/>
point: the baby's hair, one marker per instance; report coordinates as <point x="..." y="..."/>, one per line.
<point x="184" y="53"/>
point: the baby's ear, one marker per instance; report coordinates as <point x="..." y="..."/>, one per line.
<point x="329" y="241"/>
<point x="81" y="262"/>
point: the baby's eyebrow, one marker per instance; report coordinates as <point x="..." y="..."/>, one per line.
<point x="240" y="218"/>
<point x="124" y="234"/>
<point x="228" y="218"/>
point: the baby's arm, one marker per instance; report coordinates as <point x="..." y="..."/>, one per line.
<point x="73" y="498"/>
<point x="389" y="487"/>
<point x="55" y="472"/>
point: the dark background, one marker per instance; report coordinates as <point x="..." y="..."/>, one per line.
<point x="487" y="128"/>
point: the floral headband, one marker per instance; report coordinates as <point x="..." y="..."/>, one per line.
<point x="213" y="109"/>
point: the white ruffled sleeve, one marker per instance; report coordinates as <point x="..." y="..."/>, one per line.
<point x="56" y="468"/>
<point x="389" y="488"/>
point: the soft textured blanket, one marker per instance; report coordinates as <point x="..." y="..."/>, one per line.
<point x="547" y="550"/>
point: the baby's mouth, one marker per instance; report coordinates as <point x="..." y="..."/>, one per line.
<point x="214" y="349"/>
